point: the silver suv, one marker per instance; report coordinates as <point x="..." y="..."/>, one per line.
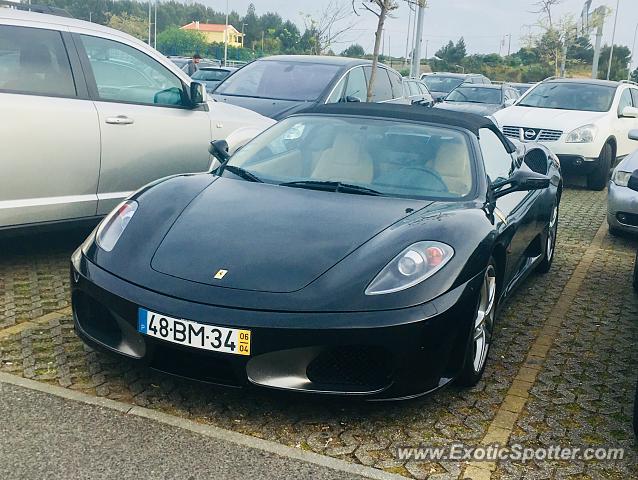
<point x="90" y="114"/>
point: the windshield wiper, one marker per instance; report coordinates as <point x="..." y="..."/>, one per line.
<point x="245" y="174"/>
<point x="332" y="187"/>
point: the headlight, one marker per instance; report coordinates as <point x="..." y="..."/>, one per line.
<point x="413" y="265"/>
<point x="112" y="227"/>
<point x="621" y="178"/>
<point x="584" y="134"/>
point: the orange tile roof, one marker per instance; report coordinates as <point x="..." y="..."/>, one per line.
<point x="207" y="27"/>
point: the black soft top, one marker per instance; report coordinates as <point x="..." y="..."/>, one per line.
<point x="468" y="121"/>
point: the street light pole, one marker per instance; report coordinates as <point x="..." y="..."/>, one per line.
<point x="149" y="23"/>
<point x="633" y="55"/>
<point x="613" y="38"/>
<point x="226" y="37"/>
<point x="155" y="27"/>
<point x="418" y="40"/>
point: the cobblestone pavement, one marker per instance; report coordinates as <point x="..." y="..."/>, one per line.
<point x="581" y="397"/>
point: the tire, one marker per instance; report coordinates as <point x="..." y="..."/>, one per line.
<point x="480" y="338"/>
<point x="597" y="180"/>
<point x="636" y="412"/>
<point x="635" y="276"/>
<point x="550" y="242"/>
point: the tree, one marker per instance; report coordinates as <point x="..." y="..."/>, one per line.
<point x="545" y="9"/>
<point x="138" y="27"/>
<point x="176" y="41"/>
<point x="452" y="54"/>
<point x="634" y="75"/>
<point x="354" y="50"/>
<point x="381" y="9"/>
<point x="328" y="26"/>
<point x="619" y="64"/>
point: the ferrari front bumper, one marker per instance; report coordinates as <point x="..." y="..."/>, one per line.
<point x="389" y="354"/>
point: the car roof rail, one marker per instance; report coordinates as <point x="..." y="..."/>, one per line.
<point x="60" y="12"/>
<point x="553" y="77"/>
<point x="629" y="82"/>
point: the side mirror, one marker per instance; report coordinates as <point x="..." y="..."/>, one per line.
<point x="352" y="99"/>
<point x="633" y="181"/>
<point x="633" y="134"/>
<point x="520" y="181"/>
<point x="197" y="94"/>
<point x="219" y="150"/>
<point x="629" y="112"/>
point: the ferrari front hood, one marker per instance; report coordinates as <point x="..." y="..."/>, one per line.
<point x="262" y="237"/>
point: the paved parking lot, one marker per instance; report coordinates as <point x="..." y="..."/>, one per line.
<point x="562" y="371"/>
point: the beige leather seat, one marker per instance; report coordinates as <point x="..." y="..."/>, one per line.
<point x="452" y="163"/>
<point x="345" y="161"/>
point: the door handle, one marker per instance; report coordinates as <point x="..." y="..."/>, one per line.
<point x="120" y="120"/>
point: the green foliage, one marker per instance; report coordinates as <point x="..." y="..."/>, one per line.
<point x="634" y="75"/>
<point x="136" y="26"/>
<point x="354" y="50"/>
<point x="452" y="54"/>
<point x="175" y="41"/>
<point x="620" y="61"/>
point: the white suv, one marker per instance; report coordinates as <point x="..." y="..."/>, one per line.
<point x="90" y="114"/>
<point x="584" y="122"/>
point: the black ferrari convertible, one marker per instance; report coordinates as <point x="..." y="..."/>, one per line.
<point x="353" y="249"/>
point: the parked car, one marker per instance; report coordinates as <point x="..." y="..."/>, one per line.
<point x="622" y="201"/>
<point x="585" y="122"/>
<point x="281" y="85"/>
<point x="479" y="99"/>
<point x="392" y="234"/>
<point x="211" y="76"/>
<point x="441" y="83"/>
<point x="522" y="88"/>
<point x="94" y="115"/>
<point x="417" y="92"/>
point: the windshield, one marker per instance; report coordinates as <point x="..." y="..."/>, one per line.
<point x="210" y="75"/>
<point x="475" y="95"/>
<point x="570" y="96"/>
<point x="280" y="80"/>
<point x="389" y="157"/>
<point x="438" y="83"/>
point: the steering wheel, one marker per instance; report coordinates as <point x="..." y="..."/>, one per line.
<point x="437" y="178"/>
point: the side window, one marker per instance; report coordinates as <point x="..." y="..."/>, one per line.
<point x="396" y="82"/>
<point x="423" y="89"/>
<point x="498" y="162"/>
<point x="124" y="74"/>
<point x="625" y="101"/>
<point x="357" y="85"/>
<point x="352" y="84"/>
<point x="337" y="93"/>
<point x="33" y="60"/>
<point x="381" y="90"/>
<point x="634" y="94"/>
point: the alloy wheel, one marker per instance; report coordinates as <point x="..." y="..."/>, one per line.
<point x="484" y="320"/>
<point x="551" y="236"/>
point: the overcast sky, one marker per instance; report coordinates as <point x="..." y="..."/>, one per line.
<point x="483" y="23"/>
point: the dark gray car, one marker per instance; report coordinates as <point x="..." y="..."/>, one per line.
<point x="281" y="85"/>
<point x="479" y="99"/>
<point x="440" y="84"/>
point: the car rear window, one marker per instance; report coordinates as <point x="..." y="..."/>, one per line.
<point x="280" y="80"/>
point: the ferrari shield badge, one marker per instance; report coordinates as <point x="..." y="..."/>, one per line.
<point x="220" y="274"/>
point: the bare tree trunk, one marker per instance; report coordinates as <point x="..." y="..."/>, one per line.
<point x="375" y="54"/>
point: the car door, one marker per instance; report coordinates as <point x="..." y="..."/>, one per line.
<point x="515" y="210"/>
<point x="49" y="135"/>
<point x="147" y="129"/>
<point x="382" y="88"/>
<point x="624" y="124"/>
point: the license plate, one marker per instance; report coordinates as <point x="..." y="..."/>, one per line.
<point x="194" y="334"/>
